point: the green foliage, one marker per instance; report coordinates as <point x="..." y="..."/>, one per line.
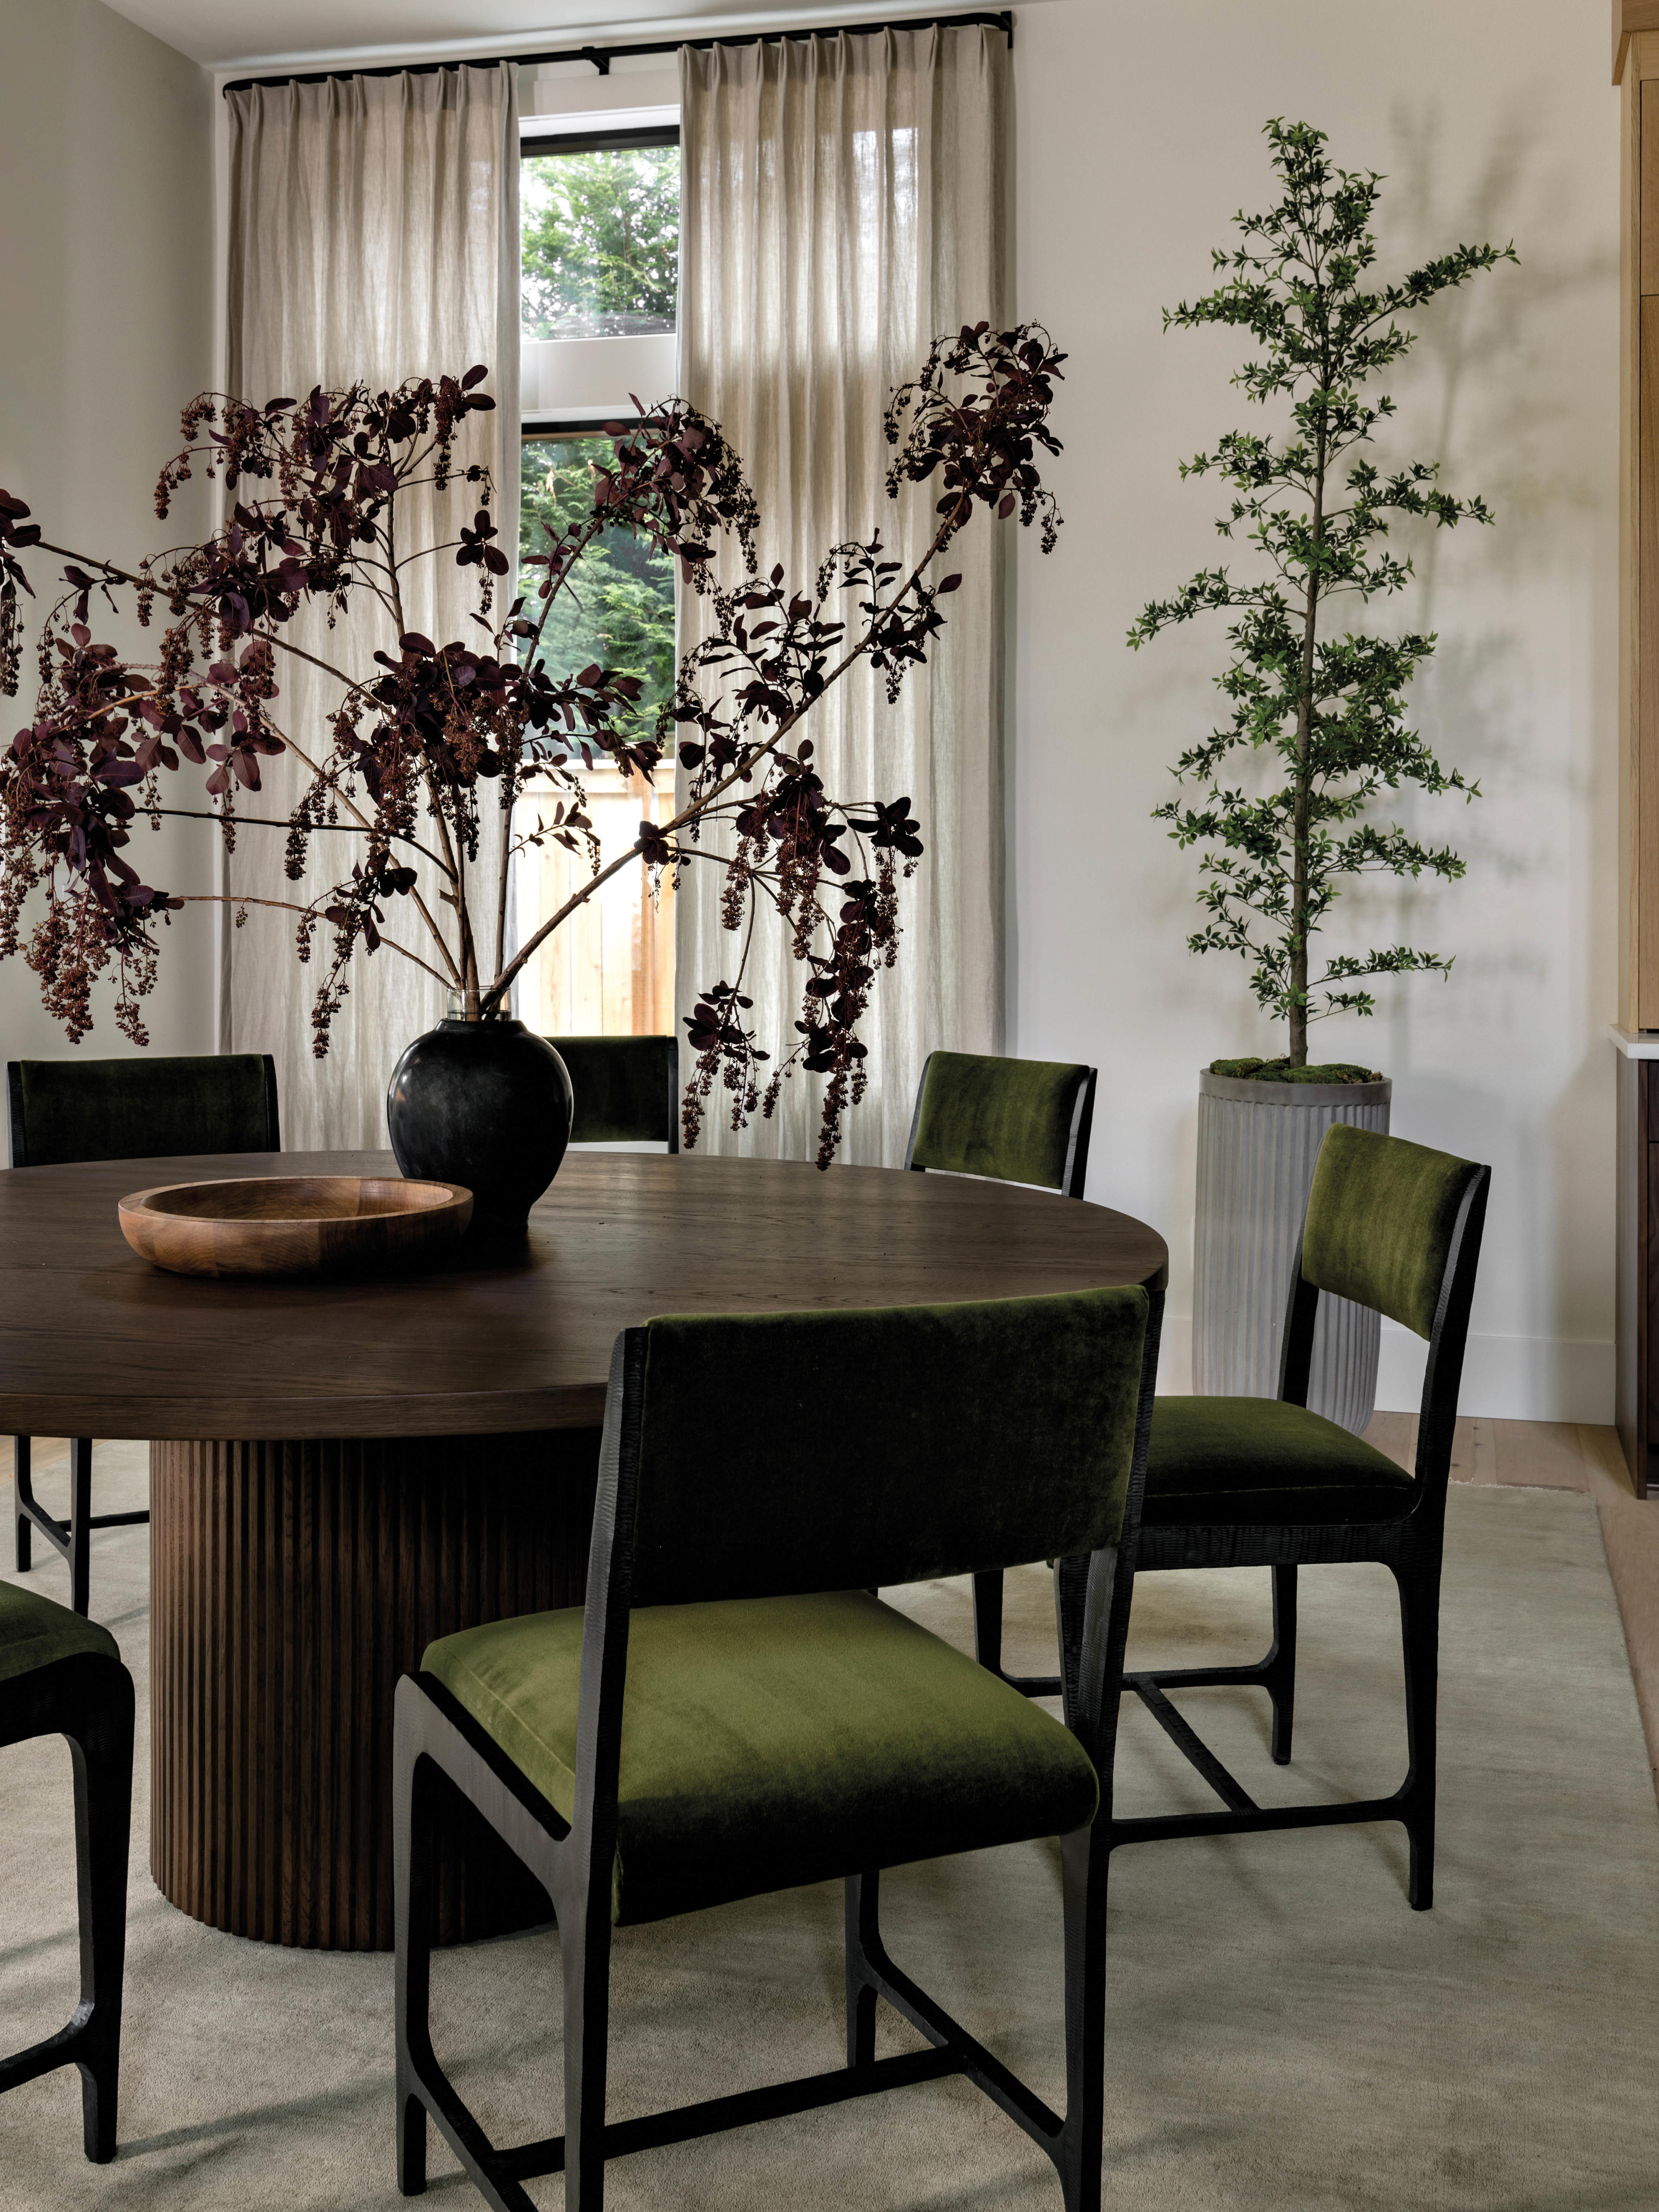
<point x="617" y="605"/>
<point x="600" y="243"/>
<point x="1329" y="711"/>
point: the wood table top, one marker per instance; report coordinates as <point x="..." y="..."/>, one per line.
<point x="94" y="1341"/>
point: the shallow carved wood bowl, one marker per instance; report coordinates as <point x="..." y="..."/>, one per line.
<point x="295" y="1224"/>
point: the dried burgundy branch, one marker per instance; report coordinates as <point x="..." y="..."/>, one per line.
<point x="424" y="734"/>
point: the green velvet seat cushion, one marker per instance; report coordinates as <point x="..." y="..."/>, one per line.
<point x="36" y="1633"/>
<point x="771" y="1741"/>
<point x="1007" y="1119"/>
<point x="140" y="1109"/>
<point x="1255" y="1462"/>
<point x="624" y="1087"/>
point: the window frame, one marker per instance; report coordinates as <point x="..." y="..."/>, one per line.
<point x="589" y="141"/>
<point x="587" y="138"/>
<point x="580" y="426"/>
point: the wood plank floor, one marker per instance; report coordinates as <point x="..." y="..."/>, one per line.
<point x="1565" y="1455"/>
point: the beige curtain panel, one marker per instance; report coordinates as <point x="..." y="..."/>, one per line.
<point x="844" y="201"/>
<point x="373" y="237"/>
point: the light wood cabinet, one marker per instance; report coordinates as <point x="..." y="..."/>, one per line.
<point x="1636" y="72"/>
<point x="1636" y="47"/>
<point x="1637" y="1254"/>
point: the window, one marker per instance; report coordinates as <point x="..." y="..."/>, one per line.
<point x="600" y="263"/>
<point x="610" y="969"/>
<point x="599" y="250"/>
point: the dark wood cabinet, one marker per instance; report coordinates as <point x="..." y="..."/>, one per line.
<point x="1636" y="1248"/>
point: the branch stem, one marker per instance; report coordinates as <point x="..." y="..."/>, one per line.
<point x="287" y="906"/>
<point x="699" y="808"/>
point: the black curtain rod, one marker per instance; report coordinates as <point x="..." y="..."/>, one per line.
<point x="1002" y="20"/>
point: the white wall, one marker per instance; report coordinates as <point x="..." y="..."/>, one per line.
<point x="1138" y="137"/>
<point x="106" y="272"/>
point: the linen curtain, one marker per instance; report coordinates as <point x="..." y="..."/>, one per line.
<point x="373" y="237"/>
<point x="842" y="201"/>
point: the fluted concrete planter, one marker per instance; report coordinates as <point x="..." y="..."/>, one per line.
<point x="1257" y="1143"/>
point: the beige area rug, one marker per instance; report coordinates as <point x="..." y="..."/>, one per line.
<point x="1284" y="2034"/>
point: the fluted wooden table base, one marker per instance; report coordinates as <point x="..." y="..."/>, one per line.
<point x="291" y="1584"/>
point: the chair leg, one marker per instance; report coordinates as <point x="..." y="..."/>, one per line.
<point x="1419" y="1624"/>
<point x="987" y="1619"/>
<point x="1279" y="1672"/>
<point x="863" y="1893"/>
<point x="79" y="1558"/>
<point x="411" y="1875"/>
<point x="412" y="2142"/>
<point x="22" y="1495"/>
<point x="1071" y="1602"/>
<point x="103" y="1817"/>
<point x="1086" y="1858"/>
<point x="585" y="1952"/>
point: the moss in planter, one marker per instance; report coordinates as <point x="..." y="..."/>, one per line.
<point x="1280" y="1071"/>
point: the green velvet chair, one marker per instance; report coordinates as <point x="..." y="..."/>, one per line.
<point x="627" y="1089"/>
<point x="64" y="1111"/>
<point x="1237" y="1482"/>
<point x="733" y="1712"/>
<point x="1014" y="1121"/>
<point x="61" y="1675"/>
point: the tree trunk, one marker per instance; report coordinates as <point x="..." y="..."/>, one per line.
<point x="1298" y="1009"/>
<point x="1302" y="787"/>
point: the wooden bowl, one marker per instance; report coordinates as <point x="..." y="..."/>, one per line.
<point x="294" y="1224"/>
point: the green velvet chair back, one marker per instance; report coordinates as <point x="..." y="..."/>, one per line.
<point x="1396" y="1227"/>
<point x="35" y="1633"/>
<point x="1382" y="1217"/>
<point x="627" y="1089"/>
<point x="784" y="1454"/>
<point x="141" y="1109"/>
<point x="1014" y="1121"/>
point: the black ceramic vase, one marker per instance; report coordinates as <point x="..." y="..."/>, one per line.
<point x="483" y="1103"/>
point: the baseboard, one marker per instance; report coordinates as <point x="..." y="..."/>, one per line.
<point x="1505" y="1378"/>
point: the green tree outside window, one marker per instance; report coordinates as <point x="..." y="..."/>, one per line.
<point x="618" y="607"/>
<point x="599" y="259"/>
<point x="600" y="243"/>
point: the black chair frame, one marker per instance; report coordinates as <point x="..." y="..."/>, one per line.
<point x="1411" y="1547"/>
<point x="88" y="1699"/>
<point x="1076" y="1174"/>
<point x="439" y="1746"/>
<point x="71" y="1539"/>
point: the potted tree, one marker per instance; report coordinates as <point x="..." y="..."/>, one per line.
<point x="1280" y="794"/>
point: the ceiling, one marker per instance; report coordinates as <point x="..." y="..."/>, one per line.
<point x="223" y="33"/>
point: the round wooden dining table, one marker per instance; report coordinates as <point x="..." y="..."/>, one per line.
<point x="341" y="1470"/>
